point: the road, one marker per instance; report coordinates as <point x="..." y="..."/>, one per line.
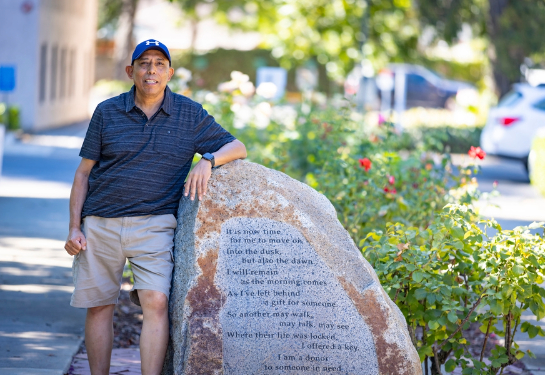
<point x="39" y="332"/>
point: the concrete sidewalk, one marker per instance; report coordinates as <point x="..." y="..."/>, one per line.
<point x="39" y="331"/>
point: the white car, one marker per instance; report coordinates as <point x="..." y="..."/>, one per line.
<point x="512" y="125"/>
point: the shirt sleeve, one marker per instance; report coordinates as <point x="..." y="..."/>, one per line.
<point x="92" y="143"/>
<point x="209" y="135"/>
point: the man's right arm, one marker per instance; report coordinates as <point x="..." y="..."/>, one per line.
<point x="76" y="240"/>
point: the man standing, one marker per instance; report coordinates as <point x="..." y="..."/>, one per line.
<point x="136" y="155"/>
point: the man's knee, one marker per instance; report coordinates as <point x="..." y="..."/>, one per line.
<point x="101" y="311"/>
<point x="153" y="301"/>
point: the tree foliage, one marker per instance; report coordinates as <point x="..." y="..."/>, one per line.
<point x="335" y="33"/>
<point x="340" y="33"/>
<point x="512" y="27"/>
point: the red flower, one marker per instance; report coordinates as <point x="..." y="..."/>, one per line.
<point x="365" y="163"/>
<point x="388" y="190"/>
<point x="476" y="152"/>
<point x="393" y="191"/>
<point x="391" y="180"/>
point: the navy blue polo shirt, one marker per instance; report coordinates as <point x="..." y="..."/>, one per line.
<point x="142" y="163"/>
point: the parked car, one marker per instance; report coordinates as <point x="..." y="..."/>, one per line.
<point x="513" y="123"/>
<point x="425" y="88"/>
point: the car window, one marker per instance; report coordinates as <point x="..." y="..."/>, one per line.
<point x="510" y="99"/>
<point x="417" y="82"/>
<point x="540" y="105"/>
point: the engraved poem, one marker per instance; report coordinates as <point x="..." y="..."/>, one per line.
<point x="285" y="312"/>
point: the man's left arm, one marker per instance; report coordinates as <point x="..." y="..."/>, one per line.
<point x="197" y="181"/>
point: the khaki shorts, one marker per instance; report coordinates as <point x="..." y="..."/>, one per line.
<point x="146" y="241"/>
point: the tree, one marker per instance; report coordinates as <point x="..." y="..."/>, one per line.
<point x="331" y="32"/>
<point x="512" y="28"/>
<point x="119" y="15"/>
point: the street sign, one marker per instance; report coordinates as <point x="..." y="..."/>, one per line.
<point x="278" y="76"/>
<point x="385" y="80"/>
<point x="7" y="78"/>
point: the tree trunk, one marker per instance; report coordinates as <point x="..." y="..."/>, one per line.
<point x="124" y="40"/>
<point x="194" y="32"/>
<point x="501" y="80"/>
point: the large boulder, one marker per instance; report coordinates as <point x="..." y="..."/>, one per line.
<point x="267" y="281"/>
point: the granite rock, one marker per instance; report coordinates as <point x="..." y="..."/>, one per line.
<point x="267" y="281"/>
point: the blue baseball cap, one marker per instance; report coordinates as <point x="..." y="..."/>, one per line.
<point x="147" y="45"/>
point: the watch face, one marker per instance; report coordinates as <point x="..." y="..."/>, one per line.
<point x="208" y="156"/>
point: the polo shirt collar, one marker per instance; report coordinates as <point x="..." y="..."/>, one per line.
<point x="165" y="106"/>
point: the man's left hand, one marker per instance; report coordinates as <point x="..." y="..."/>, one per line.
<point x="197" y="181"/>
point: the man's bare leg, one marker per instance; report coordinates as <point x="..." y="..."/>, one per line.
<point x="154" y="336"/>
<point x="99" y="337"/>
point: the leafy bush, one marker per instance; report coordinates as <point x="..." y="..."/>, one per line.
<point x="453" y="273"/>
<point x="10" y="116"/>
<point x="410" y="210"/>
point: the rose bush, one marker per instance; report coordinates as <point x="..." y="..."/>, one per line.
<point x="453" y="273"/>
<point x="410" y="210"/>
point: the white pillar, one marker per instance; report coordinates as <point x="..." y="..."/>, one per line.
<point x="400" y="97"/>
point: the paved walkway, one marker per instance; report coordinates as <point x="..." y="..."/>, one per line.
<point x="124" y="362"/>
<point x="39" y="332"/>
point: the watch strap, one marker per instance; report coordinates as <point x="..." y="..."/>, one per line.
<point x="208" y="156"/>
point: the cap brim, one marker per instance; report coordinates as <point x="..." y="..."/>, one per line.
<point x="156" y="48"/>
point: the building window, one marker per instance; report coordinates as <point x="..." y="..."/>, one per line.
<point x="54" y="62"/>
<point x="43" y="71"/>
<point x="71" y="77"/>
<point x="62" y="73"/>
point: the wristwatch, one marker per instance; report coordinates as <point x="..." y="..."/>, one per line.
<point x="208" y="156"/>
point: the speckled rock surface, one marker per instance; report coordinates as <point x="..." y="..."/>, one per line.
<point x="267" y="281"/>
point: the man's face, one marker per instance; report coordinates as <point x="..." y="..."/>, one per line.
<point x="150" y="73"/>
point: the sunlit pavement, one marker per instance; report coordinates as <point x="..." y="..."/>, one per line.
<point x="124" y="362"/>
<point x="39" y="331"/>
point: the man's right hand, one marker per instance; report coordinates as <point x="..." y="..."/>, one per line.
<point x="75" y="242"/>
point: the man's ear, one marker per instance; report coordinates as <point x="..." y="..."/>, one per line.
<point x="170" y="73"/>
<point x="129" y="70"/>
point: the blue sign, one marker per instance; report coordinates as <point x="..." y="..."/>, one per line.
<point x="7" y="78"/>
<point x="278" y="76"/>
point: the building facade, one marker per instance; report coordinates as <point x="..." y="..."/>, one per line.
<point x="51" y="44"/>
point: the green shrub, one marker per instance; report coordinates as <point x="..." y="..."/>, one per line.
<point x="454" y="139"/>
<point x="409" y="209"/>
<point x="453" y="273"/>
<point x="10" y="116"/>
<point x="13" y="118"/>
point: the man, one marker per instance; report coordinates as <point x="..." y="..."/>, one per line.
<point x="136" y="155"/>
